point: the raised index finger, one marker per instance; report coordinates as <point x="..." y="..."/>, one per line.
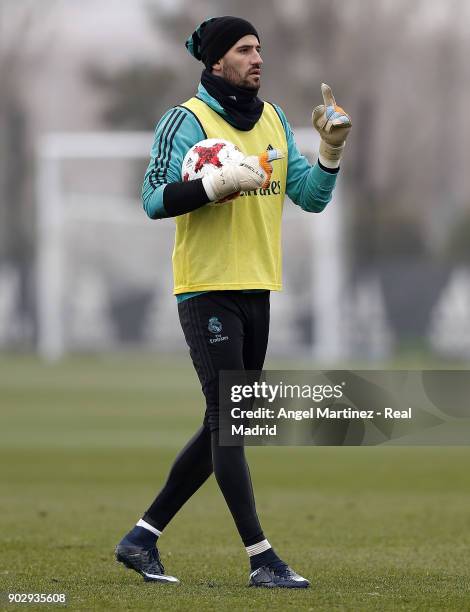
<point x="328" y="98"/>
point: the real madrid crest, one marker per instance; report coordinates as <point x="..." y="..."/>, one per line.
<point x="215" y="326"/>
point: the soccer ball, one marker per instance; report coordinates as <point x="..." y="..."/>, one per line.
<point x="206" y="155"/>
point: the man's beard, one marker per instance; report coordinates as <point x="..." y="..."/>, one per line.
<point x="232" y="76"/>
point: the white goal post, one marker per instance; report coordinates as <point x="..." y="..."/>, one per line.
<point x="325" y="249"/>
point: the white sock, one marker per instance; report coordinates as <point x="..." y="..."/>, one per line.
<point x="259" y="547"/>
<point x="145" y="525"/>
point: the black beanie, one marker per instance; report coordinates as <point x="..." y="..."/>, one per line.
<point x="214" y="37"/>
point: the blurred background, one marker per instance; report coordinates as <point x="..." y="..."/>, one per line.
<point x="383" y="272"/>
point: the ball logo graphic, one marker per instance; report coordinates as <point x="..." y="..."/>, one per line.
<point x="215" y="326"/>
<point x="208" y="155"/>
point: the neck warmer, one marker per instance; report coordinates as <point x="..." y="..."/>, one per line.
<point x="242" y="106"/>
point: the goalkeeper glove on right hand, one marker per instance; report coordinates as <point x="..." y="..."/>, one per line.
<point x="333" y="125"/>
<point x="253" y="172"/>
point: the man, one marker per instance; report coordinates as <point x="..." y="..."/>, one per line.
<point x="226" y="260"/>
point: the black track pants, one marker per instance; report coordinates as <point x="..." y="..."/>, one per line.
<point x="225" y="330"/>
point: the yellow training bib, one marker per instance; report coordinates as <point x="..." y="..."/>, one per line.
<point x="236" y="245"/>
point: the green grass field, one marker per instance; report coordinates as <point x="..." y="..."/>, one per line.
<point x="86" y="444"/>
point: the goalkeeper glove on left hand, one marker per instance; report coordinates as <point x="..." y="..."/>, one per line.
<point x="333" y="125"/>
